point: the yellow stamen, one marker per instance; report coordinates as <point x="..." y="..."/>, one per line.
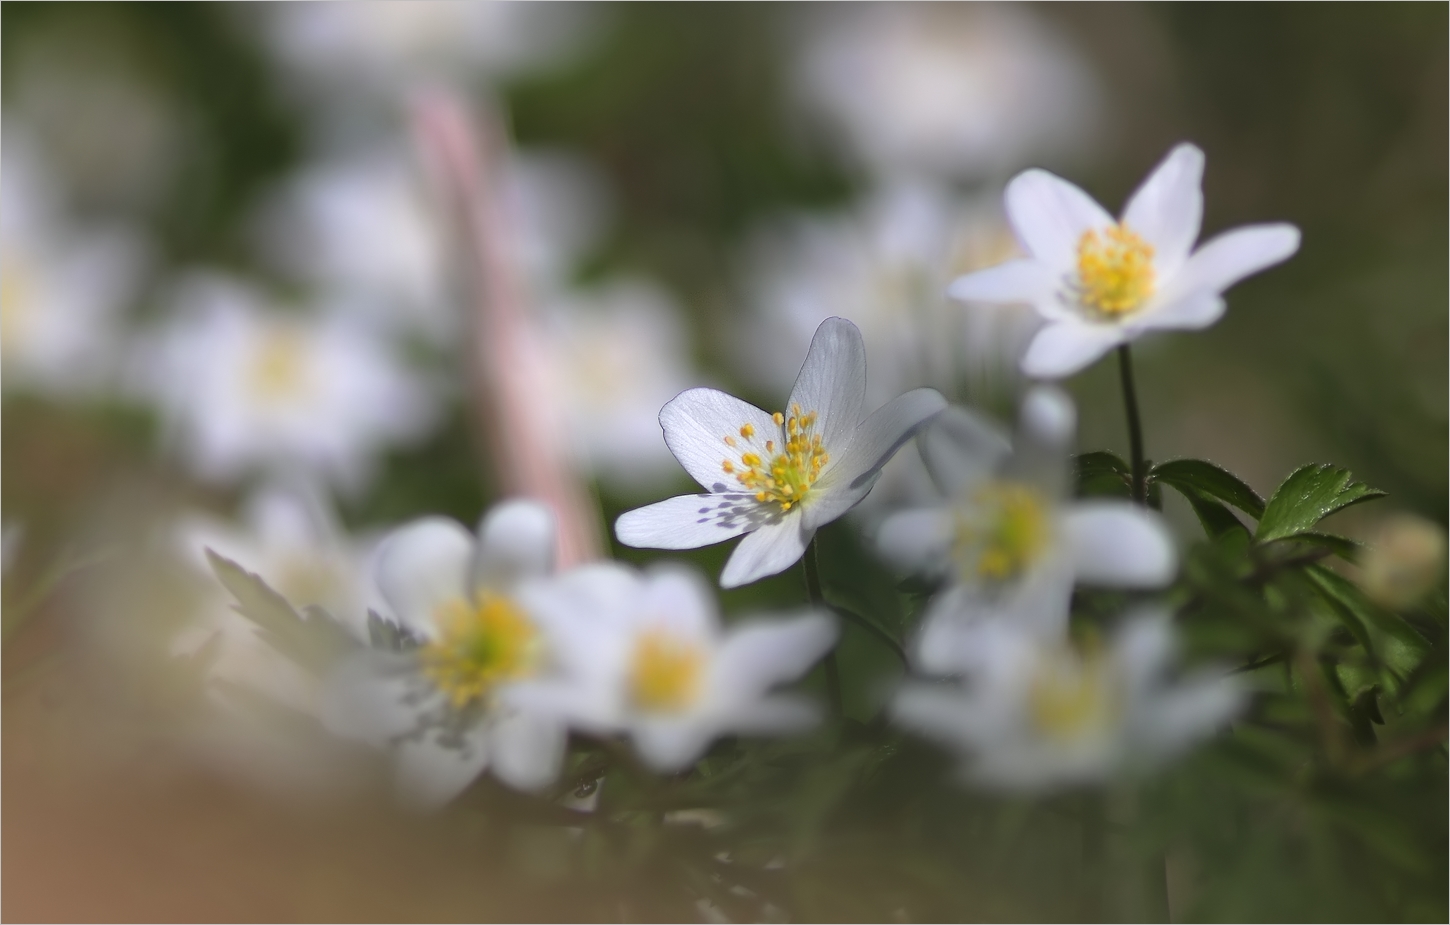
<point x="1002" y="531"/>
<point x="787" y="478"/>
<point x="479" y="646"/>
<point x="1071" y="696"/>
<point x="747" y="430"/>
<point x="1114" y="270"/>
<point x="665" y="672"/>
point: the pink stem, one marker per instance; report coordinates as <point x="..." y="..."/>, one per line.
<point x="521" y="421"/>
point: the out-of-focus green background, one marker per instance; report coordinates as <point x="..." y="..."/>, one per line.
<point x="1330" y="116"/>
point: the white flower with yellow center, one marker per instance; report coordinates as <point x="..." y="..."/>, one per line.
<point x="1006" y="542"/>
<point x="777" y="477"/>
<point x="1035" y="714"/>
<point x="245" y="386"/>
<point x="442" y="699"/>
<point x="645" y="655"/>
<point x="1100" y="283"/>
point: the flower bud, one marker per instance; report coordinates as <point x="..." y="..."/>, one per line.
<point x="1404" y="562"/>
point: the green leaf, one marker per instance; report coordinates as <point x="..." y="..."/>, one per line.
<point x="1347" y="598"/>
<point x="1103" y="473"/>
<point x="313" y="641"/>
<point x="1216" y="519"/>
<point x="1341" y="546"/>
<point x="1306" y="497"/>
<point x="1206" y="478"/>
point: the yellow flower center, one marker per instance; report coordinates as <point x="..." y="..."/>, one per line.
<point x="779" y="471"/>
<point x="1114" y="270"/>
<point x="1002" y="530"/>
<point x="278" y="369"/>
<point x="479" y="646"/>
<point x="665" y="672"/>
<point x="15" y="303"/>
<point x="1071" y="697"/>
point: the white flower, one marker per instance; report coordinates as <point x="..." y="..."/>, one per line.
<point x="646" y="655"/>
<point x="615" y="354"/>
<point x="382" y="47"/>
<point x="443" y="702"/>
<point x="245" y="386"/>
<point x="952" y="90"/>
<point x="883" y="266"/>
<point x="777" y="478"/>
<point x="364" y="228"/>
<point x="63" y="287"/>
<point x="1036" y="714"/>
<point x="1100" y="283"/>
<point x="1007" y="541"/>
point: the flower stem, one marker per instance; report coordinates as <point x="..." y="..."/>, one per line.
<point x="813" y="590"/>
<point x="1135" y="426"/>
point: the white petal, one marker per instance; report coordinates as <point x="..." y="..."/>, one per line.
<point x="1167" y="209"/>
<point x="516" y="541"/>
<point x="1119" y="544"/>
<point x="689" y="521"/>
<point x="832" y="380"/>
<point x="850" y="476"/>
<point x="1194" y="312"/>
<point x="756" y="656"/>
<point x="374" y="696"/>
<point x="1015" y="281"/>
<point x="779" y="715"/>
<point x="676" y="598"/>
<point x="917" y="541"/>
<point x="422" y="565"/>
<point x="439" y="765"/>
<point x="527" y="749"/>
<point x="773" y="548"/>
<point x="1190" y="710"/>
<point x="1233" y="255"/>
<point x="1049" y="216"/>
<point x="671" y="745"/>
<point x="696" y="423"/>
<point x="1065" y="347"/>
<point x="961" y="446"/>
<point x="1048" y="416"/>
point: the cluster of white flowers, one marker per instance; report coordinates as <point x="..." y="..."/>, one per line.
<point x="493" y="658"/>
<point x="502" y="656"/>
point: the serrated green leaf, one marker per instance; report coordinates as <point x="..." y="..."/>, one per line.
<point x="1341" y="546"/>
<point x="1215" y="482"/>
<point x="312" y="641"/>
<point x="1306" y="497"/>
<point x="1343" y="594"/>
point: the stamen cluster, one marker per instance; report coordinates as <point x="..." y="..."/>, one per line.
<point x="1114" y="270"/>
<point x="664" y="675"/>
<point x="479" y="646"/>
<point x="790" y="471"/>
<point x="1005" y="533"/>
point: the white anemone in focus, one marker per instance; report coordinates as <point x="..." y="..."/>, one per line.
<point x="1007" y="542"/>
<point x="1037" y="714"/>
<point x="777" y="478"/>
<point x="440" y="696"/>
<point x="645" y="655"/>
<point x="1100" y="283"/>
<point x="248" y="387"/>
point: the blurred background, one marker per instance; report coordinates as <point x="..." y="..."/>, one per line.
<point x="237" y="312"/>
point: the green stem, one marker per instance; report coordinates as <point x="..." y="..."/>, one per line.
<point x="1135" y="426"/>
<point x="813" y="590"/>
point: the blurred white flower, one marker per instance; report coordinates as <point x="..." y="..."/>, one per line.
<point x="289" y="539"/>
<point x="245" y="386"/>
<point x="63" y="286"/>
<point x="777" y="478"/>
<point x="951" y="90"/>
<point x="645" y="655"/>
<point x="441" y="700"/>
<point x="1405" y="560"/>
<point x="381" y="47"/>
<point x="615" y="356"/>
<point x="1007" y="542"/>
<point x="885" y="268"/>
<point x="365" y="227"/>
<point x="1035" y="714"/>
<point x="1100" y="283"/>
